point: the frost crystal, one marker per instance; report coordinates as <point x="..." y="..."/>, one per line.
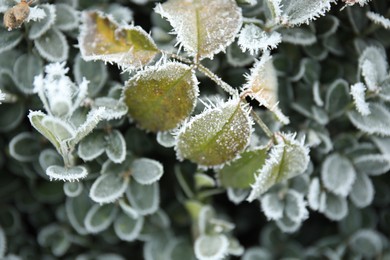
<point x="358" y="95"/>
<point x="379" y="19"/>
<point x="2" y="96"/>
<point x="253" y="39"/>
<point x="36" y="14"/>
<point x="352" y="2"/>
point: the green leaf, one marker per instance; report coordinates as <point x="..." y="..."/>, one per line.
<point x="9" y="40"/>
<point x="362" y="192"/>
<point x="204" y="28"/>
<point x="108" y="188"/>
<point x="24" y="147"/>
<point x="73" y="189"/>
<point x="336" y="207"/>
<point x="295" y="206"/>
<point x="67" y="18"/>
<point x="287" y="159"/>
<point x="11" y="115"/>
<point x="166" y="139"/>
<point x="101" y="38"/>
<point x="327" y="26"/>
<point x="367" y="243"/>
<point x="211" y="247"/>
<point x="272" y="205"/>
<point x="338" y="174"/>
<point x="92" y="146"/>
<point x="287" y="225"/>
<point x="3" y="242"/>
<point x="26" y="67"/>
<point x="126" y="208"/>
<point x="372" y="164"/>
<point x="377" y="122"/>
<point x="298" y="36"/>
<point x="216" y="136"/>
<point x="99" y="218"/>
<point x="52" y="46"/>
<point x="203" y="180"/>
<point x="237" y="195"/>
<point x="116" y="146"/>
<point x="113" y="109"/>
<point x="160" y="98"/>
<point x="76" y="210"/>
<point x="42" y="26"/>
<point x="181" y="249"/>
<point x="127" y="228"/>
<point x="256" y="253"/>
<point x="36" y="119"/>
<point x="55" y="237"/>
<point x="49" y="157"/>
<point x="144" y="198"/>
<point x="337" y="98"/>
<point x="241" y="172"/>
<point x="66" y="174"/>
<point x="146" y="171"/>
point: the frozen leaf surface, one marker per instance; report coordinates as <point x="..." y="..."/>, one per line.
<point x="379" y="19"/>
<point x="272" y="206"/>
<point x="99" y="218"/>
<point x="253" y="39"/>
<point x="211" y="247"/>
<point x="362" y="192"/>
<point x="160" y="98"/>
<point x="101" y="38"/>
<point x="215" y="136"/>
<point x="358" y="94"/>
<point x="108" y="188"/>
<point x="146" y="171"/>
<point x="127" y="228"/>
<point x="66" y="174"/>
<point x="203" y="27"/>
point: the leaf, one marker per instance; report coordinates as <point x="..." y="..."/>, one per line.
<point x="287" y="225"/>
<point x="377" y="122"/>
<point x="42" y="26"/>
<point x="160" y="98"/>
<point x="379" y="19"/>
<point x="338" y="174"/>
<point x="216" y="136"/>
<point x="314" y="194"/>
<point x="11" y="116"/>
<point x="241" y="172"/>
<point x="116" y="146"/>
<point x="253" y="39"/>
<point x="26" y="67"/>
<point x="203" y="180"/>
<point x="295" y="206"/>
<point x="127" y="228"/>
<point x="336" y="207"/>
<point x="166" y="139"/>
<point x="67" y="18"/>
<point x="73" y="189"/>
<point x="56" y="238"/>
<point x="144" y="198"/>
<point x="92" y="146"/>
<point x="237" y="195"/>
<point x="127" y="209"/>
<point x="9" y="40"/>
<point x="107" y="188"/>
<point x="256" y="253"/>
<point x="204" y="28"/>
<point x="146" y="171"/>
<point x="287" y="159"/>
<point x="99" y="218"/>
<point x="209" y="247"/>
<point x="272" y="206"/>
<point x="327" y="26"/>
<point x="337" y="98"/>
<point x="52" y="46"/>
<point x="101" y="38"/>
<point x="373" y="66"/>
<point x="362" y="192"/>
<point x="373" y="164"/>
<point x="3" y="242"/>
<point x="76" y="209"/>
<point x="367" y="243"/>
<point x="24" y="147"/>
<point x="49" y="157"/>
<point x="66" y="174"/>
<point x="298" y="36"/>
<point x="113" y="109"/>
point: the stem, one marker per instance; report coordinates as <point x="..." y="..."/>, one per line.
<point x="183" y="183"/>
<point x="229" y="89"/>
<point x="262" y="125"/>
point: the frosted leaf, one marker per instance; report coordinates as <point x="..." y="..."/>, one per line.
<point x="40" y="27"/>
<point x="113" y="109"/>
<point x="27" y="66"/>
<point x="52" y="46"/>
<point x="275" y="8"/>
<point x="362" y="192"/>
<point x="317" y="94"/>
<point x="241" y="172"/>
<point x="235" y="248"/>
<point x="295" y="206"/>
<point x="302" y="11"/>
<point x="215" y="136"/>
<point x="338" y="174"/>
<point x="76" y="209"/>
<point x="373" y="66"/>
<point x="379" y="19"/>
<point x="383" y="144"/>
<point x="237" y="195"/>
<point x="120" y="13"/>
<point x="352" y="2"/>
<point x="256" y="253"/>
<point x="298" y="36"/>
<point x="126" y="208"/>
<point x="146" y="171"/>
<point x="160" y="98"/>
<point x="54" y="237"/>
<point x="73" y="189"/>
<point x="377" y="122"/>
<point x="101" y="38"/>
<point x="367" y="243"/>
<point x="272" y="206"/>
<point x="107" y="188"/>
<point x="203" y="28"/>
<point x="116" y="146"/>
<point x="373" y="164"/>
<point x="93" y="118"/>
<point x="314" y="194"/>
<point x="236" y="57"/>
<point x="203" y="180"/>
<point x="9" y="40"/>
<point x="24" y="147"/>
<point x="358" y="94"/>
<point x="253" y="39"/>
<point x="327" y="26"/>
<point x="145" y="199"/>
<point x="287" y="225"/>
<point x="91" y="146"/>
<point x="335" y="208"/>
<point x="36" y="14"/>
<point x="66" y="174"/>
<point x="99" y="218"/>
<point x="127" y="228"/>
<point x="2" y="96"/>
<point x="286" y="159"/>
<point x="67" y="18"/>
<point x="3" y="242"/>
<point x="166" y="139"/>
<point x="213" y="247"/>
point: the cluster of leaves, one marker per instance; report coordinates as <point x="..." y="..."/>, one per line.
<point x="296" y="84"/>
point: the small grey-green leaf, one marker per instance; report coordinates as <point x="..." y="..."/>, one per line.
<point x="9" y="40"/>
<point x="237" y="195"/>
<point x="126" y="208"/>
<point x="367" y="243"/>
<point x="144" y="198"/>
<point x="3" y="242"/>
<point x="42" y="26"/>
<point x="92" y="146"/>
<point x="49" y="157"/>
<point x="26" y="67"/>
<point x="373" y="164"/>
<point x="76" y="210"/>
<point x="146" y="171"/>
<point x="338" y="174"/>
<point x="298" y="36"/>
<point x="113" y="109"/>
<point x="336" y="207"/>
<point x="24" y="147"/>
<point x="108" y="188"/>
<point x="287" y="225"/>
<point x="99" y="218"/>
<point x="337" y="98"/>
<point x="127" y="228"/>
<point x="66" y="17"/>
<point x="166" y="139"/>
<point x="272" y="206"/>
<point x="11" y="115"/>
<point x="256" y="253"/>
<point x="56" y="238"/>
<point x="52" y="46"/>
<point x="203" y="180"/>
<point x="295" y="206"/>
<point x="73" y="189"/>
<point x="66" y="174"/>
<point x="211" y="247"/>
<point x="116" y="146"/>
<point x="362" y="192"/>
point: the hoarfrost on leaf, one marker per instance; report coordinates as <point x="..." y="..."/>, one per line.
<point x="211" y="247"/>
<point x="108" y="187"/>
<point x="66" y="174"/>
<point x="36" y="14"/>
<point x="203" y="27"/>
<point x="358" y="94"/>
<point x="253" y="39"/>
<point x="295" y="206"/>
<point x="362" y="192"/>
<point x="379" y="19"/>
<point x="373" y="66"/>
<point x="2" y="96"/>
<point x="146" y="171"/>
<point x="272" y="206"/>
